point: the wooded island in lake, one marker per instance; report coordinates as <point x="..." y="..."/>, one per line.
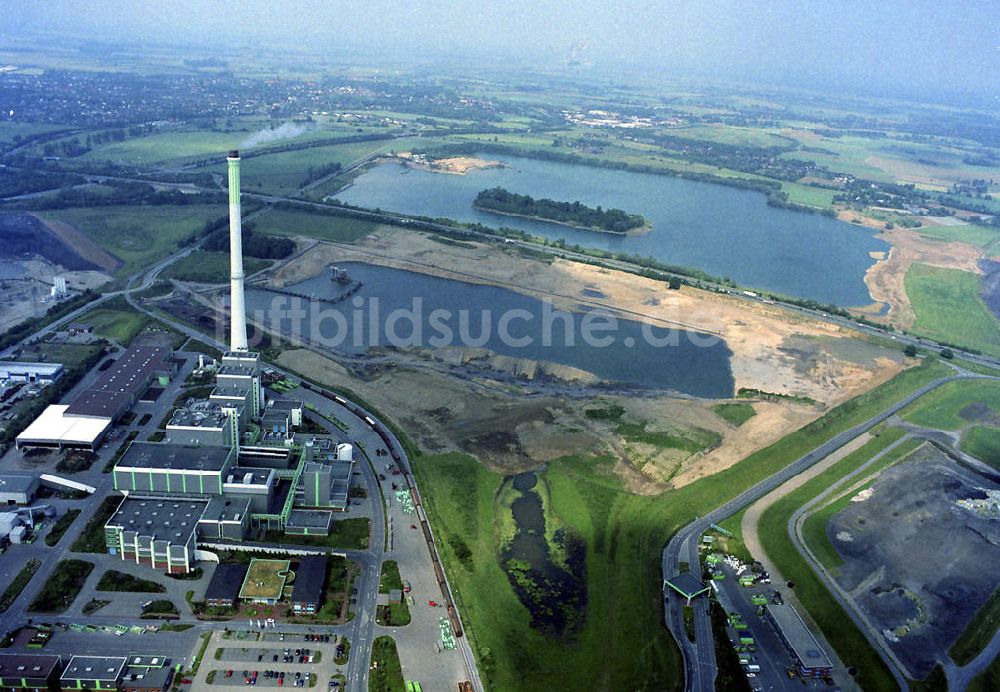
<point x="575" y="214"/>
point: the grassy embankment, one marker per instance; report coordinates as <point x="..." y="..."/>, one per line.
<point x="349" y="534"/>
<point x="948" y="308"/>
<point x="623" y="644"/>
<point x="16" y="586"/>
<point x="142" y="234"/>
<point x="61" y="526"/>
<point x="62" y="587"/>
<point x="92" y="538"/>
<point x="113" y="580"/>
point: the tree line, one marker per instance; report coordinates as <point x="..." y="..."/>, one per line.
<point x="504" y="201"/>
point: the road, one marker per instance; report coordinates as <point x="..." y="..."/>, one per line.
<point x="959" y="677"/>
<point x="699" y="661"/>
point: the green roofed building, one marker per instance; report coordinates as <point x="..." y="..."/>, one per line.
<point x="687" y="585"/>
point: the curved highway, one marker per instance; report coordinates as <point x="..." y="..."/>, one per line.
<point x="699" y="661"/>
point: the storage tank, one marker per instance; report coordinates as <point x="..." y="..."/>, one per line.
<point x="345" y="452"/>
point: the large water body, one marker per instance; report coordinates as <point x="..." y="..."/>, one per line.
<point x="724" y="231"/>
<point x="695" y="364"/>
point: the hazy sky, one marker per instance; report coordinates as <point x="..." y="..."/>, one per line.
<point x="892" y="45"/>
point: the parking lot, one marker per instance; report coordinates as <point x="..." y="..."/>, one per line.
<point x="272" y="658"/>
<point x="268" y="677"/>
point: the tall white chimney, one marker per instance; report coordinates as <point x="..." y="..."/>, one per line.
<point x="237" y="303"/>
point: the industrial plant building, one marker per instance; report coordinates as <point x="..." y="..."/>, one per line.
<point x="228" y="465"/>
<point x="17" y="488"/>
<point x="41" y="373"/>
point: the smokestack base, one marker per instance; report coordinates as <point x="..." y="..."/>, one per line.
<point x="234" y="153"/>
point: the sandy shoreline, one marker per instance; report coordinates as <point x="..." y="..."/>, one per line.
<point x="454" y="165"/>
<point x="773" y="350"/>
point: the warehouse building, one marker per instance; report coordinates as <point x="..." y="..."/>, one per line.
<point x="159" y="533"/>
<point x="223" y="590"/>
<point x="310" y="581"/>
<point x="41" y="373"/>
<point x="176" y="469"/>
<point x="806" y="652"/>
<point x="121" y="385"/>
<point x="93" y="673"/>
<point x="83" y="423"/>
<point x="29" y="672"/>
<point x="56" y="428"/>
<point x="17" y="488"/>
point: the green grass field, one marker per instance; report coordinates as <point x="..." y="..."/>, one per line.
<point x="210" y="267"/>
<point x="735" y="414"/>
<point x="120" y="326"/>
<point x="292" y="223"/>
<point x="139" y="235"/>
<point x="949" y="309"/>
<point x="623" y="644"/>
<point x="941" y="408"/>
<point x="983" y="443"/>
<point x="974" y="235"/>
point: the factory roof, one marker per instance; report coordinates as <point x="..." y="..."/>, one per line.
<point x="226" y="509"/>
<point x="94" y="668"/>
<point x="17" y="482"/>
<point x="56" y="425"/>
<point x="226" y="581"/>
<point x="163" y="520"/>
<point x="239" y="474"/>
<point x="230" y="392"/>
<point x="309" y="519"/>
<point x="27" y="665"/>
<point x="283" y="405"/>
<point x="123" y="381"/>
<point x="175" y="457"/>
<point x="236" y="370"/>
<point x="199" y="414"/>
<point x="149" y="678"/>
<point x="147" y="661"/>
<point x="310" y="576"/>
<point x="798" y="637"/>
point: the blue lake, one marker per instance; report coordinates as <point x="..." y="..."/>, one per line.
<point x="503" y="321"/>
<point x="724" y="231"/>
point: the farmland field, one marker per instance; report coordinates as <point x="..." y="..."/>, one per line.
<point x="949" y="309"/>
<point x="139" y="235"/>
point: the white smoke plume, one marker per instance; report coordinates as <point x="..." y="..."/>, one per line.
<point x="274" y="134"/>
